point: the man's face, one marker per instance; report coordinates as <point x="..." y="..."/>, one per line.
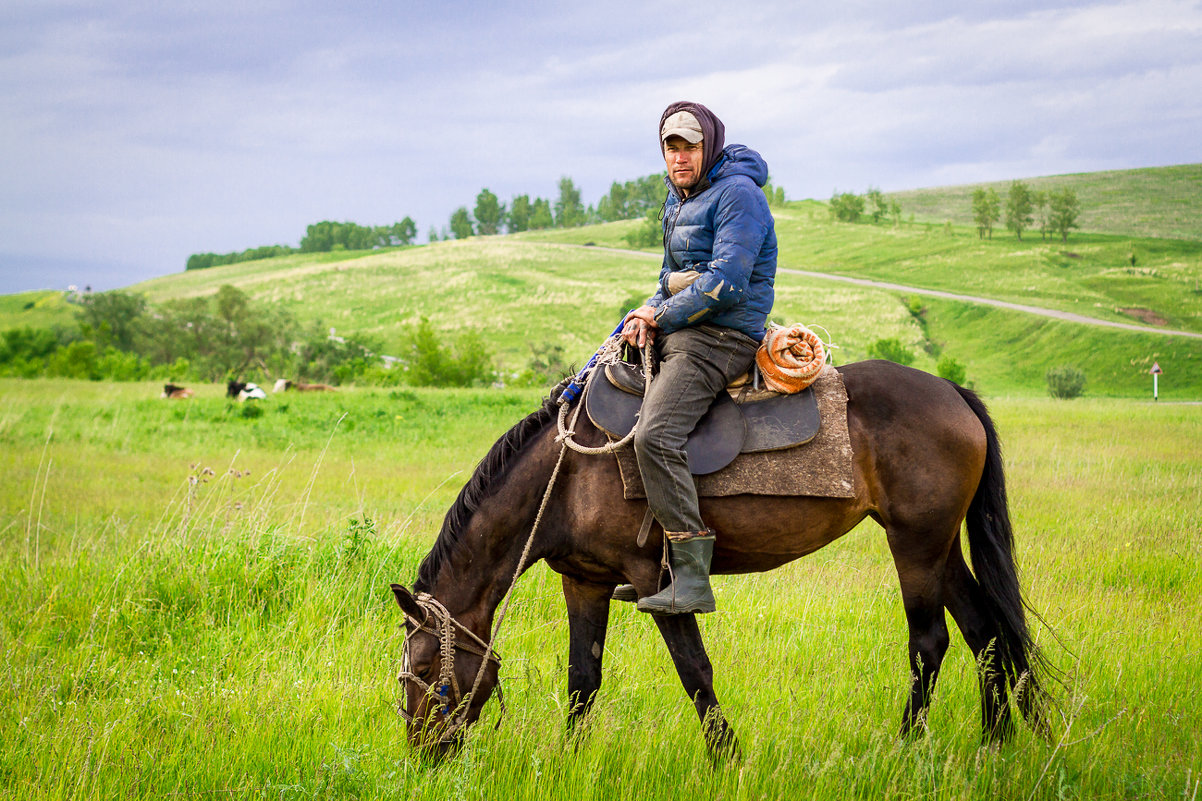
<point x="684" y="162"/>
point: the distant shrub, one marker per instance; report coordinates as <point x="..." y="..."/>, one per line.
<point x="383" y="376"/>
<point x="250" y="410"/>
<point x="649" y="233"/>
<point x="1065" y="382"/>
<point x="846" y="207"/>
<point x="951" y="369"/>
<point x="891" y="349"/>
<point x="433" y="362"/>
<point x="548" y="363"/>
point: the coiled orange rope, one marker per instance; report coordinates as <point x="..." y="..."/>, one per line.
<point x="790" y="358"/>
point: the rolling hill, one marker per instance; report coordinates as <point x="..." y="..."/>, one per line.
<point x="567" y="287"/>
<point x="1160" y="202"/>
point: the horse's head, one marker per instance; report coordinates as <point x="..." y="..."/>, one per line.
<point x="447" y="674"/>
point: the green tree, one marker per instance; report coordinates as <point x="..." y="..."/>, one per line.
<point x="461" y="223"/>
<point x="431" y="361"/>
<point x="78" y="359"/>
<point x="1065" y="209"/>
<point x="518" y="218"/>
<point x="540" y="214"/>
<point x="986" y="210"/>
<point x="569" y="211"/>
<point x="1039" y="204"/>
<point x="895" y="212"/>
<point x="320" y="356"/>
<point x="649" y="233"/>
<point x="1019" y="205"/>
<point x="403" y="232"/>
<point x="489" y="213"/>
<point x="113" y="318"/>
<point x="846" y="207"/>
<point x="775" y="195"/>
<point x="876" y="203"/>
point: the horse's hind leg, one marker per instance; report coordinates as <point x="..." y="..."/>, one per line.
<point x="683" y="638"/>
<point x="966" y="601"/>
<point x="588" y="620"/>
<point x="921" y="578"/>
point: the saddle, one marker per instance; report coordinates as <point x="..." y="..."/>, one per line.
<point x="740" y="420"/>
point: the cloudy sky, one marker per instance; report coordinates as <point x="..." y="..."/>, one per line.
<point x="134" y="133"/>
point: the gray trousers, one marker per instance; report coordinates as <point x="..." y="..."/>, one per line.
<point x="695" y="364"/>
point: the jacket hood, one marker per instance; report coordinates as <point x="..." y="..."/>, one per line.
<point x="741" y="160"/>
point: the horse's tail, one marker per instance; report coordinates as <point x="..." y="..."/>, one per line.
<point x="991" y="545"/>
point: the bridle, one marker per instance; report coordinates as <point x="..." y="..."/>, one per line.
<point x="443" y="626"/>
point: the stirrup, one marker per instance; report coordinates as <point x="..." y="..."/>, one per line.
<point x="625" y="592"/>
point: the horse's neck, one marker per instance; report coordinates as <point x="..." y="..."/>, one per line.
<point x="485" y="561"/>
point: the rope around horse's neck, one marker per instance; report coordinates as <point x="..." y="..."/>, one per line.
<point x="488" y="650"/>
<point x="566" y="433"/>
<point x="565" y="440"/>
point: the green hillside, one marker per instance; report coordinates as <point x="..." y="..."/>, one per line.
<point x="1163" y="202"/>
<point x="44" y="308"/>
<point x="566" y="288"/>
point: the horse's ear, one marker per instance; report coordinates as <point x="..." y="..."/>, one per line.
<point x="408" y="603"/>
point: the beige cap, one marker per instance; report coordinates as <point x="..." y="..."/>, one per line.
<point x="684" y="125"/>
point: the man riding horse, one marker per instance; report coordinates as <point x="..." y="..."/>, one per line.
<point x="705" y="321"/>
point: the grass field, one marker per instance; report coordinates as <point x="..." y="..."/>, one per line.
<point x="171" y="631"/>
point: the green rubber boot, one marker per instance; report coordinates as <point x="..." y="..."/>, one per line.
<point x="690" y="588"/>
<point x="625" y="592"/>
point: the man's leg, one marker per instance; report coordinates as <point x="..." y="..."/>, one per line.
<point x="695" y="365"/>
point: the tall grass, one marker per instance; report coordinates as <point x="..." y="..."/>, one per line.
<point x="193" y="608"/>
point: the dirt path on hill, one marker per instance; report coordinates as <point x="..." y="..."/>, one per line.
<point x="1053" y="313"/>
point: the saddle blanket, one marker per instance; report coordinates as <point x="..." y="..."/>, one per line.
<point x="820" y="468"/>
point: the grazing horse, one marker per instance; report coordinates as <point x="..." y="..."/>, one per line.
<point x="176" y="393"/>
<point x="925" y="458"/>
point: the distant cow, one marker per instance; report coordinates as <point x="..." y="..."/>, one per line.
<point x="285" y="384"/>
<point x="176" y="393"/>
<point x="245" y="391"/>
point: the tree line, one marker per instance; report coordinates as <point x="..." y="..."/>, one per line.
<point x="626" y="200"/>
<point x="321" y="237"/>
<point x="850" y="207"/>
<point x="1053" y="211"/>
<point x="119" y="336"/>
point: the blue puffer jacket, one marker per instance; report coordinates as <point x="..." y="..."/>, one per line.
<point x="726" y="233"/>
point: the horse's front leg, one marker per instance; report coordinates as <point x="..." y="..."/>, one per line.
<point x="588" y="619"/>
<point x="683" y="638"/>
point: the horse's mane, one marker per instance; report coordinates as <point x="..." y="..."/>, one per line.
<point x="488" y="472"/>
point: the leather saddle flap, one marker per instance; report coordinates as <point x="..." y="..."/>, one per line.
<point x="715" y="442"/>
<point x="780" y="422"/>
<point x="626" y="377"/>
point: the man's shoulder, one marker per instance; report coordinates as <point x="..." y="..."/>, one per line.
<point x="739" y="190"/>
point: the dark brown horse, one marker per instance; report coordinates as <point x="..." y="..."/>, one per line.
<point x="925" y="459"/>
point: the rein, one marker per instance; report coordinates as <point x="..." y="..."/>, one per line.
<point x="607" y="354"/>
<point x="444" y="624"/>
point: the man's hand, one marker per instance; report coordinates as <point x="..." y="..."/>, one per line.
<point x="639" y="327"/>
